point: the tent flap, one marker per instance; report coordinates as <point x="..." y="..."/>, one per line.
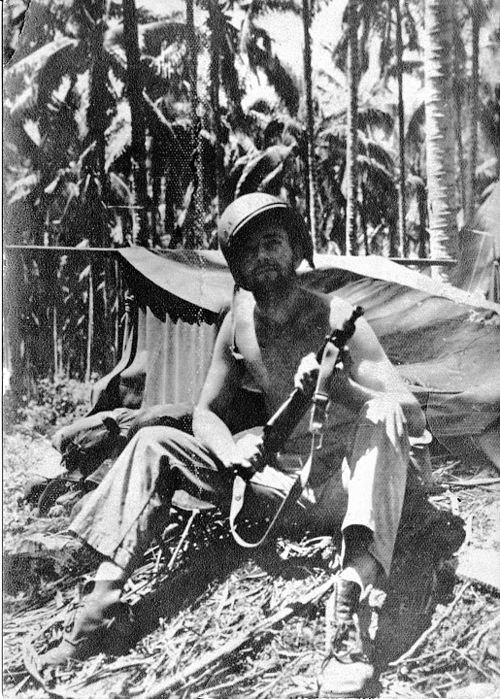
<point x="444" y="341"/>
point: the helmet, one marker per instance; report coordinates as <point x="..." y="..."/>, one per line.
<point x="235" y="219"/>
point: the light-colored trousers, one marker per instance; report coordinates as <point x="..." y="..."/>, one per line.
<point x="132" y="504"/>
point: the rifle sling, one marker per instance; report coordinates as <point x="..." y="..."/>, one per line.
<point x="238" y="498"/>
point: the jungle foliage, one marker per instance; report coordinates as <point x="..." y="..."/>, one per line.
<point x="126" y="125"/>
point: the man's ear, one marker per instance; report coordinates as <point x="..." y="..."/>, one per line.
<point x="296" y="248"/>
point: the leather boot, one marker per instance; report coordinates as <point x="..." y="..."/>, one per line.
<point x="98" y="623"/>
<point x="347" y="671"/>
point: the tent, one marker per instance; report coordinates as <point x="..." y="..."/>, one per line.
<point x="478" y="266"/>
<point x="444" y="340"/>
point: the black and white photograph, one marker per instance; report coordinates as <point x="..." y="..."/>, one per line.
<point x="251" y="349"/>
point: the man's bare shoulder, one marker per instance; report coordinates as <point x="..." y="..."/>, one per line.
<point x="335" y="304"/>
<point x="315" y="299"/>
<point x="314" y="307"/>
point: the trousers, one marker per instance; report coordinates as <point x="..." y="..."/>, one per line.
<point x="133" y="502"/>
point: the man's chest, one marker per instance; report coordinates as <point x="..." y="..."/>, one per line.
<point x="282" y="355"/>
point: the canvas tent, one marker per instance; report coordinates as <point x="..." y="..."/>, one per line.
<point x="478" y="266"/>
<point x="445" y="341"/>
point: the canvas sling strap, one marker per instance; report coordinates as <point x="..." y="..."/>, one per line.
<point x="244" y="337"/>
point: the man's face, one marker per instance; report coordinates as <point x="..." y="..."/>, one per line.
<point x="265" y="256"/>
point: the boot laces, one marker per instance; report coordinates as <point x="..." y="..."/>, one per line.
<point x="347" y="646"/>
<point x="71" y="614"/>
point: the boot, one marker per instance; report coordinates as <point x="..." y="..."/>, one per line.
<point x="347" y="671"/>
<point x="99" y="623"/>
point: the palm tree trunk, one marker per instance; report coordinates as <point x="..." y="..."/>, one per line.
<point x="195" y="236"/>
<point x="94" y="164"/>
<point x="362" y="221"/>
<point x="169" y="219"/>
<point x="90" y="328"/>
<point x="440" y="143"/>
<point x="459" y="140"/>
<point x="156" y="174"/>
<point x="54" y="338"/>
<point x="216" y="39"/>
<point x="403" y="243"/>
<point x="134" y="92"/>
<point x="99" y="79"/>
<point x="460" y="151"/>
<point x="422" y="220"/>
<point x="474" y="112"/>
<point x="459" y="89"/>
<point x="309" y="164"/>
<point x="15" y="303"/>
<point x="116" y="311"/>
<point x="351" y="242"/>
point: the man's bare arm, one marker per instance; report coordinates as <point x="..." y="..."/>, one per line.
<point x="216" y="396"/>
<point x="372" y="375"/>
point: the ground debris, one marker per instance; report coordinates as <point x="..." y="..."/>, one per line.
<point x="456" y="651"/>
<point x="458" y="654"/>
<point x="189" y="650"/>
<point x="213" y="591"/>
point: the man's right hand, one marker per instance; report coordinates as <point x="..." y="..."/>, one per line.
<point x="248" y="452"/>
<point x="307" y="373"/>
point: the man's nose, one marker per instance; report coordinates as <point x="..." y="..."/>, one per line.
<point x="262" y="250"/>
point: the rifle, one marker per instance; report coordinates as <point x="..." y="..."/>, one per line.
<point x="281" y="425"/>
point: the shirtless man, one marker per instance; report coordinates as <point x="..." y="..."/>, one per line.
<point x="358" y="479"/>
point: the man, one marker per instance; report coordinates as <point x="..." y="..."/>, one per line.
<point x="267" y="342"/>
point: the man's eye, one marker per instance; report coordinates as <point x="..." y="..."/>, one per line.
<point x="249" y="250"/>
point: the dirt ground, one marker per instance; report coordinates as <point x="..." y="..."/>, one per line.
<point x="438" y="631"/>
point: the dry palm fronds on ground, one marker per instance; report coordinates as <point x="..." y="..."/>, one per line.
<point x="458" y="655"/>
<point x="462" y="648"/>
<point x="214" y="623"/>
<point x="247" y="602"/>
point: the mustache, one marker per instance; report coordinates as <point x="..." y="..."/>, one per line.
<point x="267" y="266"/>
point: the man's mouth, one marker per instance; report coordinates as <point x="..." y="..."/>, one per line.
<point x="264" y="269"/>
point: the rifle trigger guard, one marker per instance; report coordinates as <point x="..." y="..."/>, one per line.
<point x="244" y="473"/>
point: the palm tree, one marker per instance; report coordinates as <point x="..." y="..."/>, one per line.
<point x="95" y="189"/>
<point x="216" y="40"/>
<point x="256" y="44"/>
<point x="439" y="131"/>
<point x="134" y="92"/>
<point x="310" y="159"/>
<point x="478" y="16"/>
<point x="459" y="92"/>
<point x="194" y="238"/>
<point x="351" y="237"/>
<point x="401" y="134"/>
<point x="474" y="108"/>
<point x="14" y="15"/>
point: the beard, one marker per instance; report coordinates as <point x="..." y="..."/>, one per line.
<point x="269" y="275"/>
